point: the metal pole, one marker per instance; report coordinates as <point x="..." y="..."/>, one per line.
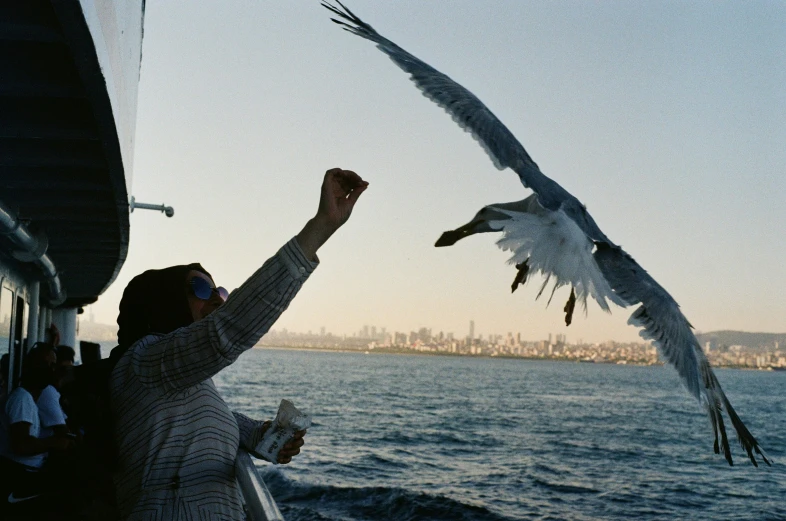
<point x="32" y="319"/>
<point x="65" y="321"/>
<point x="259" y="502"/>
<point x="168" y="210"/>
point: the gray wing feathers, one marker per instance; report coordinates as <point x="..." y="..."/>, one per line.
<point x="664" y="324"/>
<point x="473" y="116"/>
<point x="464" y="107"/>
<point x="658" y="314"/>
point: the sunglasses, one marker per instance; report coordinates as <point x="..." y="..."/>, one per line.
<point x="203" y="290"/>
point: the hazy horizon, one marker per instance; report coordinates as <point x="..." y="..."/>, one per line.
<point x="457" y="334"/>
<point x="666" y="120"/>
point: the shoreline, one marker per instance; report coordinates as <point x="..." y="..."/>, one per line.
<point x="412" y="352"/>
<point x="433" y="353"/>
<point x="505" y="357"/>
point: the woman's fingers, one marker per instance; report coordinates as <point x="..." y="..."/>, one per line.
<point x="294" y="444"/>
<point x="291" y="448"/>
<point x="285" y="456"/>
<point x="349" y="180"/>
<point x="289" y="452"/>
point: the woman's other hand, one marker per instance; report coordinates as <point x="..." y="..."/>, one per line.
<point x="291" y="448"/>
<point x="340" y="191"/>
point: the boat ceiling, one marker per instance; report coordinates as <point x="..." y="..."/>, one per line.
<point x="60" y="164"/>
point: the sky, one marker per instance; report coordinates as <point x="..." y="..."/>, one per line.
<point x="666" y="119"/>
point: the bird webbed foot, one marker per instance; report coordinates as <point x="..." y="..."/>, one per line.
<point x="569" y="307"/>
<point x="521" y="275"/>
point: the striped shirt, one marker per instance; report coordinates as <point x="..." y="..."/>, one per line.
<point x="177" y="438"/>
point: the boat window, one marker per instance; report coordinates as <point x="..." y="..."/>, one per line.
<point x="17" y="345"/>
<point x="22" y="304"/>
<point x="6" y="312"/>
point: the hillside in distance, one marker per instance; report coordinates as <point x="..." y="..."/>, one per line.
<point x="742" y="338"/>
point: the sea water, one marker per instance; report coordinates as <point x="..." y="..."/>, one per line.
<point x="458" y="438"/>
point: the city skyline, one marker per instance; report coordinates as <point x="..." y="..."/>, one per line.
<point x="374" y="332"/>
<point x="769" y="357"/>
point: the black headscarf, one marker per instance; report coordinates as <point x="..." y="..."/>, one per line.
<point x="155" y="302"/>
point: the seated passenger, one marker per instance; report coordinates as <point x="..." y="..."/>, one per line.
<point x="22" y="449"/>
<point x="3" y="376"/>
<point x="63" y="372"/>
<point x="50" y="413"/>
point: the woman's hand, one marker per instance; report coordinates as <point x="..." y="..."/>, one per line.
<point x="291" y="448"/>
<point x="340" y="191"/>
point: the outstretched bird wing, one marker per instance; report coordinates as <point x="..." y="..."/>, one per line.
<point x="664" y="324"/>
<point x="464" y="107"/>
<point x="659" y="314"/>
<point x="473" y="116"/>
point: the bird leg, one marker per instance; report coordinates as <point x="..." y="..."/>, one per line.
<point x="569" y="307"/>
<point x="521" y="276"/>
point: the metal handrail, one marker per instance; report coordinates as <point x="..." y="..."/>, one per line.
<point x="259" y="501"/>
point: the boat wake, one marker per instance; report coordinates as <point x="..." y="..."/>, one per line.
<point x="319" y="502"/>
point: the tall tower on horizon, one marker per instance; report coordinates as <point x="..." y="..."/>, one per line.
<point x="472" y="330"/>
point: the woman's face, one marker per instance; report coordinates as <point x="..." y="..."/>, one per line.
<point x="201" y="308"/>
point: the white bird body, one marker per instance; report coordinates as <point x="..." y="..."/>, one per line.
<point x="553" y="244"/>
<point x="551" y="232"/>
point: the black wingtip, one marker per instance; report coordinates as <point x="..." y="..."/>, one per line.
<point x="345" y="8"/>
<point x="346" y="14"/>
<point x="744" y="436"/>
<point x="336" y="11"/>
<point x="718" y="403"/>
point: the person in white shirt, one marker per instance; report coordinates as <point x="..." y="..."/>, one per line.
<point x="50" y="413"/>
<point x="23" y="451"/>
<point x="23" y="442"/>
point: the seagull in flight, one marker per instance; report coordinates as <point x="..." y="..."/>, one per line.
<point x="551" y="232"/>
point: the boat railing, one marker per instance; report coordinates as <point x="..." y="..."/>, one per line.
<point x="259" y="501"/>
